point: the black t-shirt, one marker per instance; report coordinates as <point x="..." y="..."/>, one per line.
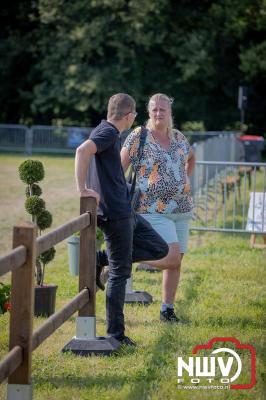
<point x="106" y="174"/>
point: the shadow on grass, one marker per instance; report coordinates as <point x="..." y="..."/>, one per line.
<point x="236" y="322"/>
<point x="104" y="380"/>
<point x="191" y="289"/>
<point x="148" y="374"/>
<point x="160" y="359"/>
<point x="147" y="380"/>
<point x="141" y="384"/>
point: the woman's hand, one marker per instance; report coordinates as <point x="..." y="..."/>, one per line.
<point x="187" y="185"/>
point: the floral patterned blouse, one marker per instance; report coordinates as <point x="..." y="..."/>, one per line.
<point x="160" y="173"/>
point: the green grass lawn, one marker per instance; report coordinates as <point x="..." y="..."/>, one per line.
<point x="222" y="294"/>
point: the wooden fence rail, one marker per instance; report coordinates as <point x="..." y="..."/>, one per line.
<point x="56" y="236"/>
<point x="11" y="362"/>
<point x="15" y="259"/>
<point x="16" y="365"/>
<point x="57" y="319"/>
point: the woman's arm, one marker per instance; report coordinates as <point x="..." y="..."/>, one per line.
<point x="125" y="161"/>
<point x="190" y="162"/>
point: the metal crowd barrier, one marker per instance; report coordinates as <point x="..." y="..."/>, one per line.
<point x="64" y="140"/>
<point x="229" y="197"/>
<point x="41" y="139"/>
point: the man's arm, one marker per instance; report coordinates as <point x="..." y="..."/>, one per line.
<point x="82" y="159"/>
<point x="125" y="161"/>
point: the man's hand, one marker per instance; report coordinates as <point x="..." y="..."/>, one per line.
<point x="90" y="193"/>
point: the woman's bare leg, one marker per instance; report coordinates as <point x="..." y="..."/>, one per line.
<point x="171" y="261"/>
<point x="171" y="279"/>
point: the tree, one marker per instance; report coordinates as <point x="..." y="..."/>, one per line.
<point x="17" y="50"/>
<point x="82" y="52"/>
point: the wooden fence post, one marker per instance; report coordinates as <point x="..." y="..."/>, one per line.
<point x="86" y="322"/>
<point x="87" y="272"/>
<point x="22" y="308"/>
<point x="86" y="342"/>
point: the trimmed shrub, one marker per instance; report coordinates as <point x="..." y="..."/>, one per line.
<point x="31" y="171"/>
<point x="33" y="190"/>
<point x="34" y="205"/>
<point x="44" y="220"/>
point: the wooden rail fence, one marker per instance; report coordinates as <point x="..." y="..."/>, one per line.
<point x="16" y="365"/>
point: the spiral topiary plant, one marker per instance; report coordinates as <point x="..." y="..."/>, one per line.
<point x="31" y="172"/>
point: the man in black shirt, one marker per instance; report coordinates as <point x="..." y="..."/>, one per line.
<point x="129" y="238"/>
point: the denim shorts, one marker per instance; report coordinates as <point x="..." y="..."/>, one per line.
<point x="173" y="228"/>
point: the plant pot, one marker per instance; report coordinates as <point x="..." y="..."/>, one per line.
<point x="73" y="254"/>
<point x="45" y="300"/>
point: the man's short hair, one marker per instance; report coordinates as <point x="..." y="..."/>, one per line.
<point x="119" y="105"/>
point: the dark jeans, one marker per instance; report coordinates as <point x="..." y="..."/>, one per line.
<point x="128" y="240"/>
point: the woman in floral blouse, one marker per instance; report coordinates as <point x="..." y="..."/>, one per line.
<point x="162" y="175"/>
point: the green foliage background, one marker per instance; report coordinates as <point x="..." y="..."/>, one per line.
<point x="62" y="60"/>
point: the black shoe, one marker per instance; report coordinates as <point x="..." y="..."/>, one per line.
<point x="127" y="341"/>
<point x="99" y="268"/>
<point x="169" y="316"/>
